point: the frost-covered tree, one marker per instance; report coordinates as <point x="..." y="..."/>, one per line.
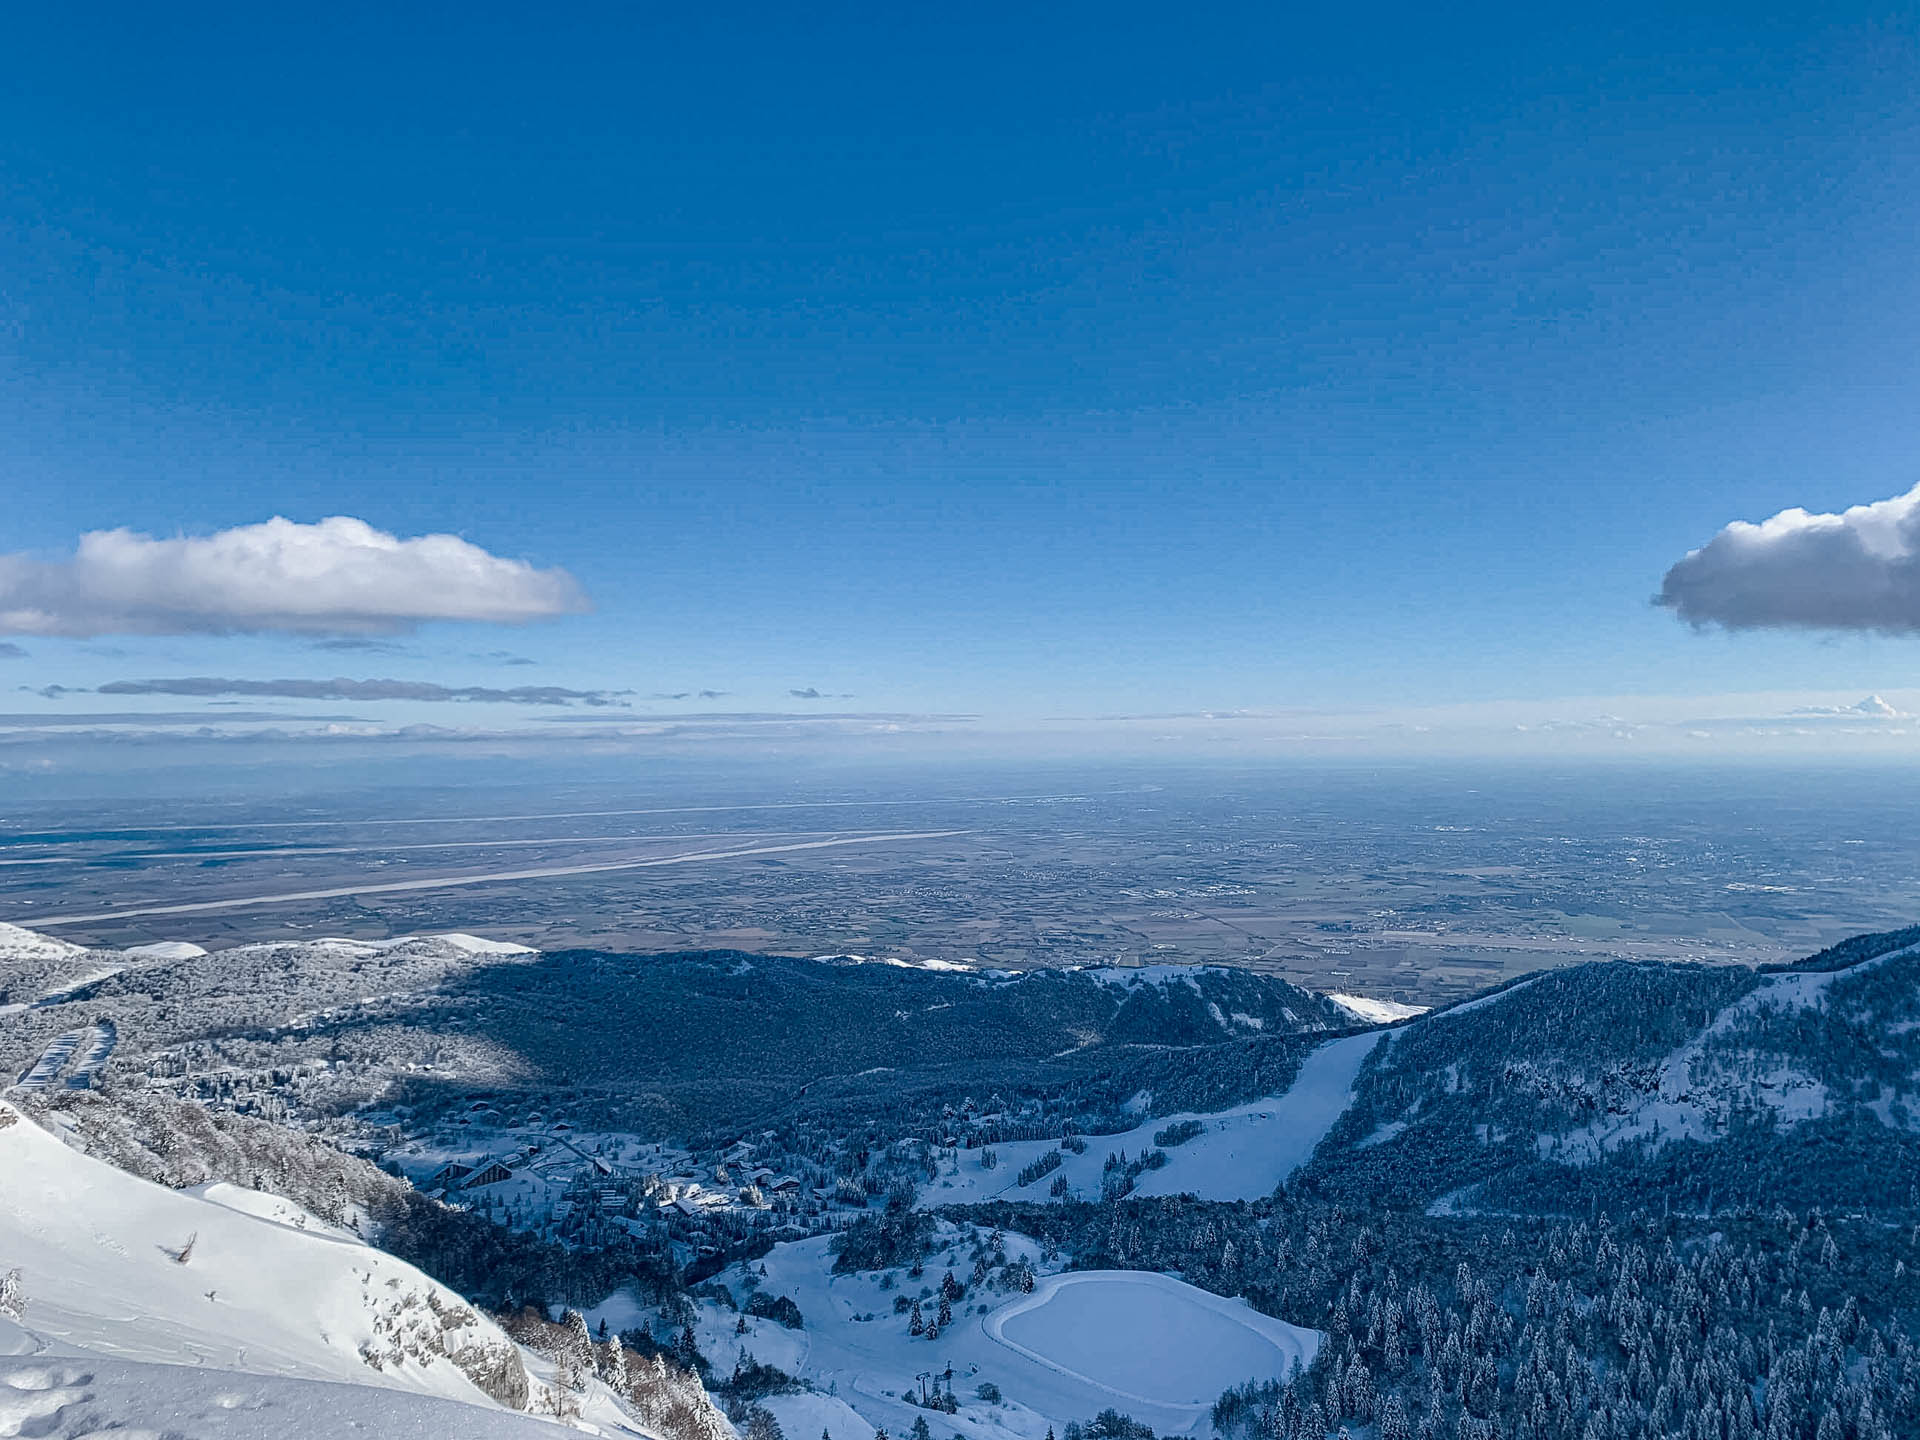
<point x="13" y="1296"/>
<point x="574" y="1355"/>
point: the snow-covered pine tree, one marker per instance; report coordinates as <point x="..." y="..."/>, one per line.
<point x="610" y="1364"/>
<point x="574" y="1352"/>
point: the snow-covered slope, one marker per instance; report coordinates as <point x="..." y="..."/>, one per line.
<point x="32" y="964"/>
<point x="1240" y="1154"/>
<point x="1727" y="1068"/>
<point x="18" y="944"/>
<point x="120" y="1275"/>
<point x="64" y="1392"/>
<point x="1080" y="1342"/>
<point x="1625" y="1084"/>
<point x="1370" y="1011"/>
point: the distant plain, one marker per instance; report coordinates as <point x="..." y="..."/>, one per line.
<point x="1398" y="882"/>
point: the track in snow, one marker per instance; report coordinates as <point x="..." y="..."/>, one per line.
<point x="99" y="1041"/>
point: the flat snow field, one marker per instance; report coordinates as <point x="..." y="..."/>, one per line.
<point x="1081" y="1342"/>
<point x="1148" y="1339"/>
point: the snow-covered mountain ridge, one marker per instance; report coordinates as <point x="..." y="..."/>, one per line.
<point x="325" y="1027"/>
<point x="1708" y="1086"/>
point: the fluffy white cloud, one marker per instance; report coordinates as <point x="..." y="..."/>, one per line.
<point x="340" y="576"/>
<point x="1859" y="570"/>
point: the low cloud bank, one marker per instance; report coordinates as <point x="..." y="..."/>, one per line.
<point x="342" y="689"/>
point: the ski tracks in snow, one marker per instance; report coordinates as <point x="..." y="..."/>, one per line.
<point x="98" y="1040"/>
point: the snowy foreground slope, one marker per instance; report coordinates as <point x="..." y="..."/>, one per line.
<point x="65" y="1392"/>
<point x="169" y="1313"/>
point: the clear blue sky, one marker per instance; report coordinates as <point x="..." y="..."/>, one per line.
<point x="1045" y="360"/>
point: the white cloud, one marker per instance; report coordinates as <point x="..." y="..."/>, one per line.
<point x="1859" y="570"/>
<point x="340" y="576"/>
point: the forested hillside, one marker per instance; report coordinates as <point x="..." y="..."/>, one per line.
<point x="1685" y="1086"/>
<point x="677" y="1044"/>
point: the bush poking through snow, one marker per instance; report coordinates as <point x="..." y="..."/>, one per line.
<point x="13" y="1291"/>
<point x="1109" y="1425"/>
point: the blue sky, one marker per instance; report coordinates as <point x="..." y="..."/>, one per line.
<point x="1101" y="360"/>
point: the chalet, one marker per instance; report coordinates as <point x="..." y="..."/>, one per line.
<point x="491" y="1173"/>
<point x="786" y="1185"/>
<point x="447" y="1175"/>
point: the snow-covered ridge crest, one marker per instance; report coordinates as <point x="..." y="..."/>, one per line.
<point x="456" y="940"/>
<point x="19" y="944"/>
<point x="112" y="1265"/>
<point x="960" y="967"/>
<point x="166" y="950"/>
<point x="1133" y="977"/>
